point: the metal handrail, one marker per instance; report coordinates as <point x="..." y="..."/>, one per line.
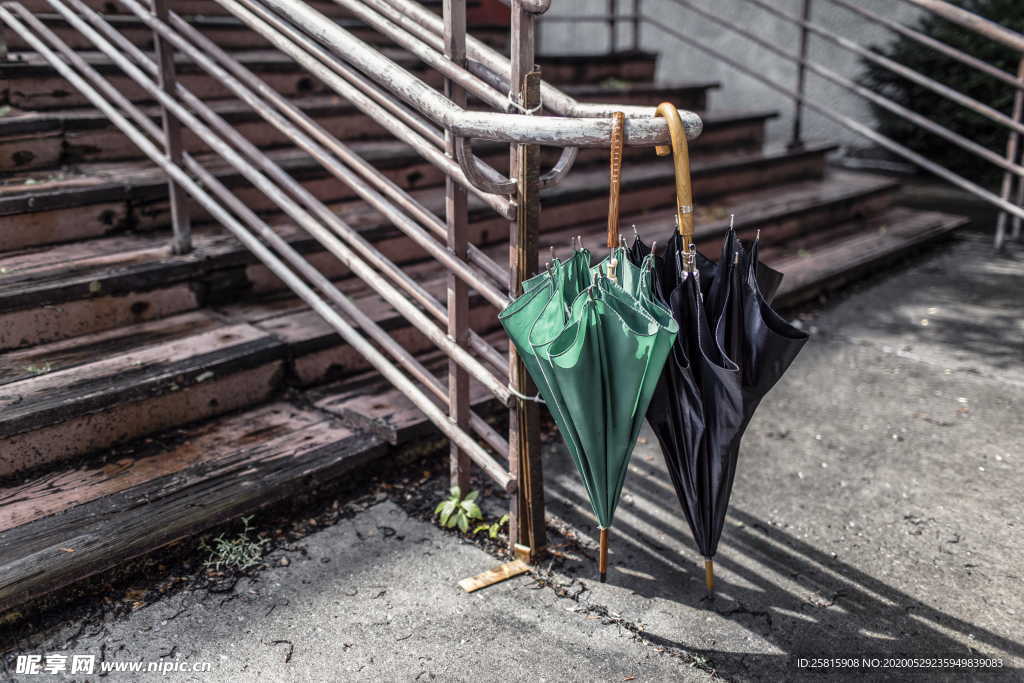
<point x="561" y="131"/>
<point x="972" y="22"/>
<point x="492" y="66"/>
<point x="1009" y="162"/>
<point x="109" y="100"/>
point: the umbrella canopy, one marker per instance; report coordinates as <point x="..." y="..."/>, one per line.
<point x="594" y="340"/>
<point x="731" y="349"/>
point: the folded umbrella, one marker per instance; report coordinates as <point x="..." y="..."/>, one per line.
<point x="594" y="340"/>
<point x="731" y="349"/>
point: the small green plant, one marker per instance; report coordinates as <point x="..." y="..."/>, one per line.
<point x="240" y="552"/>
<point x="456" y="511"/>
<point x="40" y="369"/>
<point x="492" y="529"/>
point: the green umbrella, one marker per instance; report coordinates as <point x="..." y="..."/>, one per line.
<point x="594" y="340"/>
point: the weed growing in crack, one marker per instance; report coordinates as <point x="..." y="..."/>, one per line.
<point x="240" y="552"/>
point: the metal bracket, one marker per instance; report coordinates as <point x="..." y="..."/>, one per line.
<point x="480" y="175"/>
<point x="485" y="178"/>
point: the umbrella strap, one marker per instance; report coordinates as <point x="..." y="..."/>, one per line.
<point x="524" y="397"/>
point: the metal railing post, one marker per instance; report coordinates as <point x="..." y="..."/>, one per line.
<point x="636" y="24"/>
<point x="457" y="218"/>
<point x="796" y="141"/>
<point x="180" y="221"/>
<point x="526" y="528"/>
<point x="1012" y="145"/>
<point x="612" y="37"/>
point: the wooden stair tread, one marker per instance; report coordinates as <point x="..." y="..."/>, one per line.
<point x="883" y="239"/>
<point x="150" y="494"/>
<point x="118" y="264"/>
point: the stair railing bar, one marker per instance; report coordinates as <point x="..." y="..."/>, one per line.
<point x="635" y="20"/>
<point x="928" y="41"/>
<point x="796" y="140"/>
<point x="846" y="121"/>
<point x="355" y="162"/>
<point x="344" y="81"/>
<point x="328" y="158"/>
<point x="483" y="176"/>
<point x="613" y="25"/>
<point x="251" y="241"/>
<point x="1012" y="154"/>
<point x="972" y="22"/>
<point x="428" y="54"/>
<point x="180" y="223"/>
<point x="313" y="225"/>
<point x="851" y="46"/>
<point x="527" y="527"/>
<point x="562" y="131"/>
<point x="261" y="228"/>
<point x="456" y="218"/>
<point x="489" y="64"/>
<point x="849" y="85"/>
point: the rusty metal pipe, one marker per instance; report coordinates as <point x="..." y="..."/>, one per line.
<point x="304" y="291"/>
<point x="336" y="76"/>
<point x="378" y="334"/>
<point x="368" y="194"/>
<point x="512" y="128"/>
<point x="383" y="184"/>
<point x="428" y="54"/>
<point x="417" y="19"/>
<point x="327" y="238"/>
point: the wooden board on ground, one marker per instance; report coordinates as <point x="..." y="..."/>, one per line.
<point x="493" y="576"/>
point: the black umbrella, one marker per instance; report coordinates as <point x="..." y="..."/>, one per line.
<point x="731" y="349"/>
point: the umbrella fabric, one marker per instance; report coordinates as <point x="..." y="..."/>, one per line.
<point x="732" y="348"/>
<point x="595" y="350"/>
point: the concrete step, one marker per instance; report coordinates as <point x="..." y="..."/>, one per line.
<point x="49" y="139"/>
<point x="97" y="199"/>
<point x="49" y="293"/>
<point x="64" y="524"/>
<point x="31" y="84"/>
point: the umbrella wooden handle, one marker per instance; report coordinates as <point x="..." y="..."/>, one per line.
<point x="680" y="151"/>
<point x="602" y="556"/>
<point x="615" y="177"/>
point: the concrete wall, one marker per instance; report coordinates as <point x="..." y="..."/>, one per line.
<point x="679" y="62"/>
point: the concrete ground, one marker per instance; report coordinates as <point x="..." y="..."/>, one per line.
<point x="877" y="512"/>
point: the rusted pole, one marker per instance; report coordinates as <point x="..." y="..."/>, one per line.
<point x="526" y="529"/>
<point x="457" y="219"/>
<point x="180" y="222"/>
<point x="797" y="141"/>
<point x="1012" y="145"/>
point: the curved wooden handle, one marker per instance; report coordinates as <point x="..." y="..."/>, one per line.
<point x="680" y="151"/>
<point x="615" y="177"/>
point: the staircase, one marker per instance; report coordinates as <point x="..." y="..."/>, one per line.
<point x="148" y="396"/>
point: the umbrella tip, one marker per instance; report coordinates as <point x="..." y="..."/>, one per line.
<point x="709" y="575"/>
<point x="732" y="220"/>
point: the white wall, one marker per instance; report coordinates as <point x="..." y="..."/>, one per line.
<point x="680" y="63"/>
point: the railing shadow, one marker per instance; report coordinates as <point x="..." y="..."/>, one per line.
<point x="837" y="609"/>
